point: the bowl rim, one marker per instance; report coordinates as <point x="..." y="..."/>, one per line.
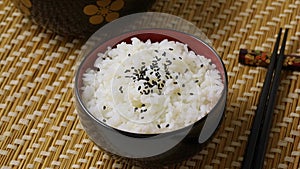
<point x="77" y="90"/>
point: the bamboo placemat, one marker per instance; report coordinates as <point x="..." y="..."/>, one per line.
<point x="39" y="127"/>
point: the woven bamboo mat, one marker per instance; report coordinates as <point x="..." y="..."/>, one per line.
<point x="39" y="127"/>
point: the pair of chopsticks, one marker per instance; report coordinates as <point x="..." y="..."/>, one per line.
<point x="258" y="138"/>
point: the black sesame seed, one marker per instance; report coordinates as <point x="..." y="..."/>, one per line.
<point x="167" y="125"/>
<point x="158" y="126"/>
<point x="98" y="69"/>
<point x="169" y="62"/>
<point x="143" y="68"/>
<point x="126" y="71"/>
<point x="179" y="94"/>
<point x="183" y="85"/>
<point x="142" y="117"/>
<point x="164" y="54"/>
<point x="175" y="82"/>
<point x="129" y="54"/>
<point x="143" y="105"/>
<point x="171" y="49"/>
<point x="154" y="82"/>
<point x="157" y="58"/>
<point x="180" y="58"/>
<point x="146" y="92"/>
<point x="142" y="111"/>
<point x="104" y="107"/>
<point x="201" y="65"/>
<point x="156" y="51"/>
<point x="196" y="81"/>
<point x="135" y="109"/>
<point x="191" y="93"/>
<point x="121" y="89"/>
<point x="140" y="87"/>
<point x="104" y="120"/>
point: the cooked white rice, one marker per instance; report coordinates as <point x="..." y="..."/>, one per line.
<point x="146" y="87"/>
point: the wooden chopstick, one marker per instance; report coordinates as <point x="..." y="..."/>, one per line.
<point x="267" y="123"/>
<point x="255" y="137"/>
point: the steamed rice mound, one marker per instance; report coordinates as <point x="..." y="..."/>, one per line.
<point x="146" y="87"/>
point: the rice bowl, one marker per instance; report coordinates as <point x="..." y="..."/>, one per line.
<point x="165" y="134"/>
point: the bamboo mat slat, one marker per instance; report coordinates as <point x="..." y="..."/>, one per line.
<point x="39" y="127"/>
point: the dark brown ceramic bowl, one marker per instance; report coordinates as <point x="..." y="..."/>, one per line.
<point x="152" y="150"/>
<point x="79" y="18"/>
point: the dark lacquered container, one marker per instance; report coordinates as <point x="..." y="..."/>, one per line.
<point x="151" y="150"/>
<point x="79" y="18"/>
